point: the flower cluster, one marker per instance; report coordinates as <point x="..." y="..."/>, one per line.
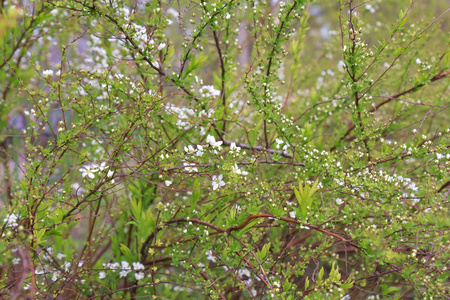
<point x="11" y="220"/>
<point x="124" y="268"/>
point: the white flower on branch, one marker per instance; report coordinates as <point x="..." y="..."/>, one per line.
<point x="212" y="142"/>
<point x="217" y="181"/>
<point x="47" y="73"/>
<point x="88" y="171"/>
<point x="189" y="168"/>
<point x="236" y="170"/>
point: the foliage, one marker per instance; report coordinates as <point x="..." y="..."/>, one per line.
<point x="227" y="149"/>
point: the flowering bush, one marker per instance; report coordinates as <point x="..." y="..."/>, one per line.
<point x="228" y="149"/>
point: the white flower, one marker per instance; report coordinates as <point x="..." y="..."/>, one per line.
<point x="125" y="265"/>
<point x="209" y="91"/>
<point x="227" y="16"/>
<point x="339" y="201"/>
<point x="210" y="256"/>
<point x="16" y="260"/>
<point x="199" y="150"/>
<point x="168" y="182"/>
<point x="233" y="148"/>
<point x="138" y="266"/>
<point x="414" y="130"/>
<point x="279" y="143"/>
<point x="212" y="141"/>
<point x="88" y="171"/>
<point x="11" y="220"/>
<point x="123" y="273"/>
<point x="60" y="256"/>
<point x="66" y="265"/>
<point x="346" y="297"/>
<point x="236" y="170"/>
<point x="110" y="173"/>
<point x="55" y="276"/>
<point x="217" y="181"/>
<point x="162" y="46"/>
<point x="292" y="214"/>
<point x="26" y="286"/>
<point x="39" y="271"/>
<point x="189" y="168"/>
<point x="125" y="269"/>
<point x="418" y="61"/>
<point x="413" y="187"/>
<point x="101" y="167"/>
<point x="47" y="73"/>
<point x="189" y="149"/>
<point x="238" y="208"/>
<point x="102" y="275"/>
<point x="139" y="275"/>
<point x="427" y="211"/>
<point x="439" y="156"/>
<point x="244" y="272"/>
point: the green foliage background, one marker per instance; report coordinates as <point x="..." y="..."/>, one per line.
<point x="224" y="149"/>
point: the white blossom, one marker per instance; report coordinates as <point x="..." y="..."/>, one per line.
<point x="139" y="275"/>
<point x="236" y="170"/>
<point x="234" y="148"/>
<point x="217" y="181"/>
<point x="11" y="220"/>
<point x="189" y="149"/>
<point x="162" y="46"/>
<point x="339" y="201"/>
<point x="212" y="142"/>
<point x="209" y="91"/>
<point x="60" y="256"/>
<point x="199" y="150"/>
<point x="101" y="167"/>
<point x="138" y="266"/>
<point x="210" y="256"/>
<point x="88" y="171"/>
<point x="47" y="73"/>
<point x="189" y="167"/>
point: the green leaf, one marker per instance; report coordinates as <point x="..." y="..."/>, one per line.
<point x="249" y="226"/>
<point x="196" y="63"/>
<point x="136" y="209"/>
<point x="126" y="252"/>
<point x="40" y="235"/>
<point x="306" y="283"/>
<point x="319" y="279"/>
<point x="347" y="285"/>
<point x="54" y="232"/>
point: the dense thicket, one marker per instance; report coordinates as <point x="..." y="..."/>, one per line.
<point x="224" y="149"/>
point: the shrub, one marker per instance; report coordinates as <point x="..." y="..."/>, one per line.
<point x="228" y="149"/>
